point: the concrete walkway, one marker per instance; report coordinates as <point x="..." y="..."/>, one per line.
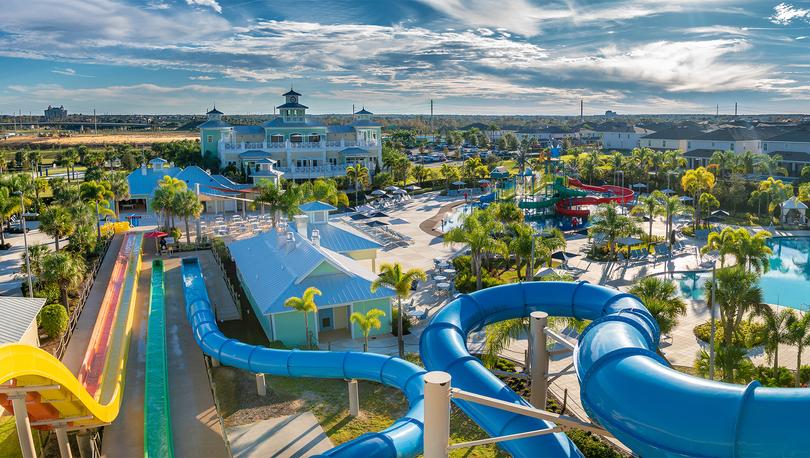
<point x="195" y="424"/>
<point x="74" y="353"/>
<point x="293" y="436"/>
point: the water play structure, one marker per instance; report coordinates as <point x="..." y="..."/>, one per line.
<point x="51" y="395"/>
<point x="569" y="193"/>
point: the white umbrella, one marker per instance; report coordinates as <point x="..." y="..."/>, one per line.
<point x="365" y="209"/>
<point x="399" y="191"/>
<point x="459" y="183"/>
<point x="391" y="188"/>
<point x="720" y="213"/>
<point x="549" y="272"/>
<point x="412" y="187"/>
<point x="639" y="186"/>
<point x="483" y="181"/>
<point x="668" y="191"/>
<point x="686" y="199"/>
<point x="378" y="192"/>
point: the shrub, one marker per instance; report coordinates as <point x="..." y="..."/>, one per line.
<point x="406" y="322"/>
<point x="54" y="319"/>
<point x="50" y="291"/>
<point x="749" y="334"/>
<point x="784" y="378"/>
<point x="466" y="283"/>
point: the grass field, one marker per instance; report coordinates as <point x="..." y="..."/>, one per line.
<point x="9" y="444"/>
<point x="100" y="139"/>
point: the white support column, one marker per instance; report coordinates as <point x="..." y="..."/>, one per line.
<point x="539" y="356"/>
<point x="214" y="362"/>
<point x="85" y="441"/>
<point x="437" y="414"/>
<point x="64" y="443"/>
<point x="23" y="425"/>
<point x="199" y="227"/>
<point x="261" y="384"/>
<point x="354" y="398"/>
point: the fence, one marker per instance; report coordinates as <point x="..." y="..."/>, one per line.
<point x="237" y="297"/>
<point x="83" y="294"/>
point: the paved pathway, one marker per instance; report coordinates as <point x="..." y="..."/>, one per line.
<point x="11" y="261"/>
<point x="292" y="436"/>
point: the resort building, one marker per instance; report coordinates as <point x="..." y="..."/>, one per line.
<point x="19" y="323"/>
<point x="674" y="138"/>
<point x="217" y="193"/>
<point x="618" y="137"/>
<point x="293" y="143"/>
<point x="282" y="263"/>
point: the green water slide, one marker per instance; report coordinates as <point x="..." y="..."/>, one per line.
<point x="565" y="192"/>
<point x="537" y="204"/>
<point x="157" y="415"/>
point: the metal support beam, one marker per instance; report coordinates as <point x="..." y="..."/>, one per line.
<point x="14" y="390"/>
<point x="87" y="447"/>
<point x="437" y="414"/>
<point x="562" y="421"/>
<point x="23" y="425"/>
<point x="354" y="398"/>
<point x="555" y="375"/>
<point x="64" y="443"/>
<point x="61" y="421"/>
<point x="559" y="338"/>
<point x="493" y="440"/>
<point x="539" y="355"/>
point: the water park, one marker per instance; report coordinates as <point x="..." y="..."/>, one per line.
<point x="520" y="310"/>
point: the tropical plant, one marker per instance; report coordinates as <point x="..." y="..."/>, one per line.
<point x="662" y="299"/>
<point x="64" y="269"/>
<point x="57" y="222"/>
<point x="450" y="174"/>
<point x="723" y="242"/>
<point x="97" y="192"/>
<point x="648" y="206"/>
<point x="777" y="330"/>
<point x="608" y="221"/>
<point x="672" y="206"/>
<point x="696" y="182"/>
<point x="774" y="191"/>
<point x="164" y="198"/>
<point x="520" y="246"/>
<point x="752" y="251"/>
<point x="9" y="204"/>
<point x="36" y="253"/>
<point x="54" y="319"/>
<point x="737" y="293"/>
<point x="359" y="177"/>
<point x="68" y="160"/>
<point x="395" y="277"/>
<point x="187" y="205"/>
<point x="799" y="335"/>
<point x="732" y="361"/>
<point x="366" y="322"/>
<point x="306" y="305"/>
<point x="119" y="186"/>
<point x="477" y="231"/>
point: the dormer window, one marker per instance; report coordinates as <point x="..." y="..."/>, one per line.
<point x="296" y="138"/>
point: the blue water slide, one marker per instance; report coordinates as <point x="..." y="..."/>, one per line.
<point x="401" y="439"/>
<point x="625" y="385"/>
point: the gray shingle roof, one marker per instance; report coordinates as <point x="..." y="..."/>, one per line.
<point x="279" y="122"/>
<point x="731" y="134"/>
<point x="676" y="133"/>
<point x="792" y="156"/>
<point x="798" y="135"/>
<point x="17" y="315"/>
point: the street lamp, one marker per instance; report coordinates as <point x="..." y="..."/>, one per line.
<point x="25" y="242"/>
<point x="714" y="324"/>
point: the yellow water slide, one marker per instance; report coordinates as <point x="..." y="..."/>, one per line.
<point x="53" y="396"/>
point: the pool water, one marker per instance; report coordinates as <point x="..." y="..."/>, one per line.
<point x="786" y="283"/>
<point x="540" y="222"/>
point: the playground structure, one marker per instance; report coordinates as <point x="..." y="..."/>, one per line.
<point x="44" y="394"/>
<point x="567" y="194"/>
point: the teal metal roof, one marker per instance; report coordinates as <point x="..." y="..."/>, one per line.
<point x="338" y="239"/>
<point x="274" y="269"/>
<point x="315" y="206"/>
<point x="143" y="186"/>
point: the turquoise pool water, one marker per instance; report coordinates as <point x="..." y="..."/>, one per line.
<point x="786" y="283"/>
<point x="456" y="217"/>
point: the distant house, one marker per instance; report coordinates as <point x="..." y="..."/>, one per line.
<point x="619" y="136"/>
<point x="276" y="265"/>
<point x="793" y="147"/>
<point x="736" y="139"/>
<point x="217" y="192"/>
<point x="548" y="133"/>
<point x="672" y="138"/>
<point x="19" y="323"/>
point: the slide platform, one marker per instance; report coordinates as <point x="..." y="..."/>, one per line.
<point x="401" y="439"/>
<point x="95" y="395"/>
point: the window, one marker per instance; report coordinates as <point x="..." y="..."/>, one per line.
<point x="277" y="138"/>
<point x="210" y="139"/>
<point x="296" y="138"/>
<point x="731" y="147"/>
<point x="664" y="144"/>
<point x="688" y="145"/>
<point x="765" y="146"/>
<point x="332" y="161"/>
<point x="314" y="138"/>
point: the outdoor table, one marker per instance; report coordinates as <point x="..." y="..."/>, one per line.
<point x="443" y="285"/>
<point x="449" y="271"/>
<point x="440" y="278"/>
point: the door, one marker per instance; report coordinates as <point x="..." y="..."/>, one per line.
<point x="327" y="319"/>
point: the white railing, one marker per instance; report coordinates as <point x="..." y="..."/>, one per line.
<point x="314" y="172"/>
<point x="296" y="146"/>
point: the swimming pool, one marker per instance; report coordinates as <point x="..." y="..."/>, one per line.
<point x="786" y="283"/>
<point x="540" y="222"/>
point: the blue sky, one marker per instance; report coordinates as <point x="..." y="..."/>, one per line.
<point x="470" y="56"/>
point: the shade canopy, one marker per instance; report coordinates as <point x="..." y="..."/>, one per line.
<point x="629" y="241"/>
<point x="550" y="272"/>
<point x="391" y="188"/>
<point x="364" y="209"/>
<point x="155" y="235"/>
<point x="639" y="186"/>
<point x="686" y="199"/>
<point x="399" y="191"/>
<point x="668" y="191"/>
<point x="459" y="183"/>
<point x="563" y="255"/>
<point x="720" y="213"/>
<point x="412" y="187"/>
<point x="378" y="192"/>
<point x="376" y="223"/>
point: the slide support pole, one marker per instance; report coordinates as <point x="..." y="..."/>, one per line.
<point x="437" y="414"/>
<point x="539" y="356"/>
<point x="23" y="425"/>
<point x="261" y="384"/>
<point x="64" y="444"/>
<point x="354" y="398"/>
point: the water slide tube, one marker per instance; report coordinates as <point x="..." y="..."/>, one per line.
<point x="616" y="194"/>
<point x="157" y="426"/>
<point x="625" y="386"/>
<point x="403" y="438"/>
<point x="68" y="397"/>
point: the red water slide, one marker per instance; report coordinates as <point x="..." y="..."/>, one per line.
<point x="617" y="194"/>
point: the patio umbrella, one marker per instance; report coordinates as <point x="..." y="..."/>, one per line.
<point x="686" y="199"/>
<point x="458" y="183"/>
<point x="399" y="191"/>
<point x="629" y="241"/>
<point x="155" y="235"/>
<point x="376" y="223"/>
<point x="563" y="255"/>
<point x="639" y="186"/>
<point x="364" y="209"/>
<point x="378" y="192"/>
<point x="378" y="215"/>
<point x="391" y="188"/>
<point x="668" y="191"/>
<point x="358" y="216"/>
<point x="483" y="181"/>
<point x="412" y="187"/>
<point x="550" y="272"/>
<point x="720" y="213"/>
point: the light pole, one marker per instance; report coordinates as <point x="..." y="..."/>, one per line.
<point x="714" y="324"/>
<point x="25" y="242"/>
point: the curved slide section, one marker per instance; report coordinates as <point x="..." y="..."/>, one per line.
<point x="97" y="402"/>
<point x="403" y="438"/>
<point x="616" y="194"/>
<point x="157" y="426"/>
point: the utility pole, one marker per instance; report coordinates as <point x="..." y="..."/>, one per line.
<point x="717" y="111"/>
<point x="95" y="123"/>
<point x="735" y="109"/>
<point x="581" y="110"/>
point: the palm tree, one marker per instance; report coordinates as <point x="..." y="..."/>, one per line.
<point x="450" y="174"/>
<point x="270" y="195"/>
<point x="188" y="205"/>
<point x="97" y="192"/>
<point x="521" y="246"/>
<point x="119" y="185"/>
<point x="306" y="305"/>
<point x="68" y="160"/>
<point x="737" y="294"/>
<point x="799" y="335"/>
<point x="36" y="254"/>
<point x="366" y="322"/>
<point x="477" y="231"/>
<point x="696" y="182"/>
<point x="393" y="276"/>
<point x="672" y="206"/>
<point x="608" y="221"/>
<point x="662" y="300"/>
<point x="648" y="206"/>
<point x="164" y="198"/>
<point x="359" y="177"/>
<point x="723" y="242"/>
<point x="9" y="205"/>
<point x="752" y="251"/>
<point x="777" y="331"/>
<point x="56" y="222"/>
<point x="724" y="160"/>
<point x="63" y="269"/>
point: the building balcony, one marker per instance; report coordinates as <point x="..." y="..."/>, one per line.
<point x="275" y="147"/>
<point x="320" y="171"/>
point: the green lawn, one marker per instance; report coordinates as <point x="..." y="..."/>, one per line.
<point x="9" y="444"/>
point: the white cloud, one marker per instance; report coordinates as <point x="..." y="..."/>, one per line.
<point x="785" y="14"/>
<point x="69" y="72"/>
<point x="719" y="30"/>
<point x="201" y="78"/>
<point x="213" y="4"/>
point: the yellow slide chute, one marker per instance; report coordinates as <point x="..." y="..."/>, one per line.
<point x="53" y="392"/>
